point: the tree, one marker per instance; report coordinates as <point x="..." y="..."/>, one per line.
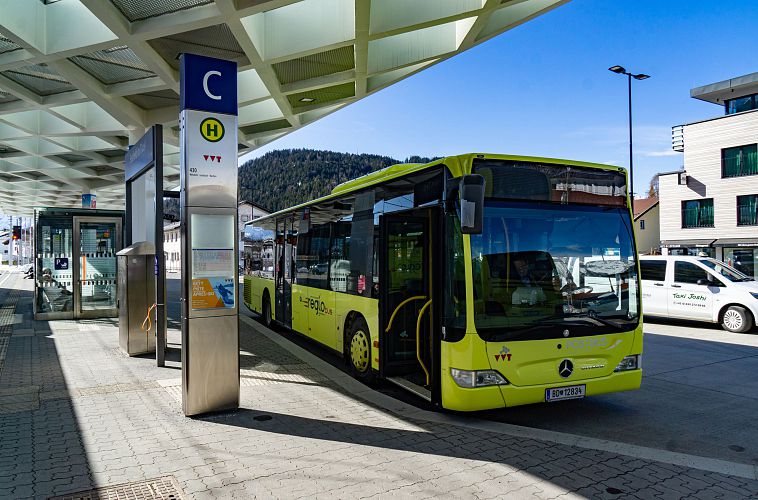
<point x="652" y="191"/>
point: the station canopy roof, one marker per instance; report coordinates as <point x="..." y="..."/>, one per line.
<point x="82" y="79"/>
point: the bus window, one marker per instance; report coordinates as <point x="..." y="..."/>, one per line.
<point x="339" y="263"/>
<point x="319" y="257"/>
<point x="361" y="249"/>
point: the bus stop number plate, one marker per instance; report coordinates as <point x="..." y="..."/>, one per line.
<point x="561" y="393"/>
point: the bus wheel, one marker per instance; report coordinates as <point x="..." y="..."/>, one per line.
<point x="736" y="319"/>
<point x="266" y="311"/>
<point x="359" y="350"/>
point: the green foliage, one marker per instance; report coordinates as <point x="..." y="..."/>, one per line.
<point x="287" y="177"/>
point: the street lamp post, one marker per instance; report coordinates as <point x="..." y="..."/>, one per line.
<point x="640" y="76"/>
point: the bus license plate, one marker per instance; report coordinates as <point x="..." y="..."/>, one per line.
<point x="561" y="393"/>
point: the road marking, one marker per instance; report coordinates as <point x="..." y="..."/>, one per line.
<point x="402" y="409"/>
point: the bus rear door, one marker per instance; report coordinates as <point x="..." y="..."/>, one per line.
<point x="286" y="241"/>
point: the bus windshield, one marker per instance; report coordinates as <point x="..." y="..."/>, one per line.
<point x="546" y="270"/>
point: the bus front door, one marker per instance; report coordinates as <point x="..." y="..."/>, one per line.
<point x="407" y="302"/>
<point x="286" y="243"/>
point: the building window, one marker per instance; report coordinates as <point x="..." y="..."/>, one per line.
<point x="741" y="104"/>
<point x="697" y="213"/>
<point x="739" y="161"/>
<point x="747" y="210"/>
<point x="642" y="224"/>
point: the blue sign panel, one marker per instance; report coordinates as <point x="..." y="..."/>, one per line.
<point x="89" y="201"/>
<point x="139" y="155"/>
<point x="61" y="264"/>
<point x="207" y="84"/>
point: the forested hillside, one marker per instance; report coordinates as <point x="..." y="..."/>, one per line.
<point x="286" y="177"/>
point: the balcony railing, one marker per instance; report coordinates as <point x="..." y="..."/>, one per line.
<point x="747" y="164"/>
<point x="697" y="217"/>
<point x="677" y="138"/>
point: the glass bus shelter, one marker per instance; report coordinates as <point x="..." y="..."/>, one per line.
<point x="75" y="262"/>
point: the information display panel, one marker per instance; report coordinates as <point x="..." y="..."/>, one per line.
<point x="212" y="260"/>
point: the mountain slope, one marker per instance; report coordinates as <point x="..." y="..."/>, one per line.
<point x="284" y="178"/>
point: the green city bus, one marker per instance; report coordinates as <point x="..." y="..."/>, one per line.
<point x="476" y="281"/>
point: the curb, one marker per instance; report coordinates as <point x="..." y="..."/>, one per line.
<point x="357" y="389"/>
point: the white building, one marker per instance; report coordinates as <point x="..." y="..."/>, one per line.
<point x="172" y="236"/>
<point x="246" y="212"/>
<point x="712" y="206"/>
<point x="172" y="246"/>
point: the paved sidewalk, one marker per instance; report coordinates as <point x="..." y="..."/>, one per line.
<point x="77" y="414"/>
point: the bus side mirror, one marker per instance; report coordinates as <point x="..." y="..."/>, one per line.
<point x="472" y="203"/>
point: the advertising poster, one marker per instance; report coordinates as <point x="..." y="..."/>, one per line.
<point x="213" y="278"/>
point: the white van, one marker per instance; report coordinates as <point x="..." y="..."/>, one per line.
<point x="698" y="288"/>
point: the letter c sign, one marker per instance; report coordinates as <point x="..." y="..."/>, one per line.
<point x="207" y="84"/>
<point x="206" y="77"/>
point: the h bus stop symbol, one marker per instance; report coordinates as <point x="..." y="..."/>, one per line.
<point x="212" y="130"/>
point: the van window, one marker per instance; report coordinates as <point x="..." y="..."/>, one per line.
<point x="653" y="270"/>
<point x="687" y="272"/>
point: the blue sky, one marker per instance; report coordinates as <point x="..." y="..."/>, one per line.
<point x="544" y="89"/>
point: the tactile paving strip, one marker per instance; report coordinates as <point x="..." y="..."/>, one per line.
<point x="164" y="488"/>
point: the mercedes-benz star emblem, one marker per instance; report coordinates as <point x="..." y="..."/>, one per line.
<point x="566" y="333"/>
<point x="566" y="368"/>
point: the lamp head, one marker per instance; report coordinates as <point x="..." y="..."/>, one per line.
<point x="641" y="76"/>
<point x="617" y="69"/>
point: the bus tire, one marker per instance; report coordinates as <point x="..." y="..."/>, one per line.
<point x="736" y="319"/>
<point x="266" y="310"/>
<point x="358" y="350"/>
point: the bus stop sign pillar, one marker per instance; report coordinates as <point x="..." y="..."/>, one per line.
<point x="210" y="322"/>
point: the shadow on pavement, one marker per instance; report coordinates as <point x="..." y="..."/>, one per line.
<point x="589" y="473"/>
<point x="40" y="438"/>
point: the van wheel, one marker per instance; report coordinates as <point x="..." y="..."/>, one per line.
<point x="266" y="311"/>
<point x="359" y="350"/>
<point x="736" y="319"/>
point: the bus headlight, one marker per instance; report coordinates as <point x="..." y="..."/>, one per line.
<point x="477" y="378"/>
<point x="633" y="362"/>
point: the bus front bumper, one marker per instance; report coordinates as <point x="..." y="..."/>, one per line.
<point x="458" y="398"/>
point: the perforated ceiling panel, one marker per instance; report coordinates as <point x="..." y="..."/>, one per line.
<point x="157" y="99"/>
<point x="138" y="10"/>
<point x="322" y="96"/>
<point x="114" y="65"/>
<point x="213" y="41"/>
<point x="315" y="65"/>
<point x="40" y="79"/>
<point x="6" y="97"/>
<point x="265" y="127"/>
<point x="7" y="45"/>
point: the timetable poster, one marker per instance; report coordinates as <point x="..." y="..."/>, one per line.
<point x="213" y="278"/>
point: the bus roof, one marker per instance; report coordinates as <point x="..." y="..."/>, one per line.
<point x="402" y="169"/>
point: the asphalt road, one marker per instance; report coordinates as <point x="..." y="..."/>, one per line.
<point x="699" y="394"/>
